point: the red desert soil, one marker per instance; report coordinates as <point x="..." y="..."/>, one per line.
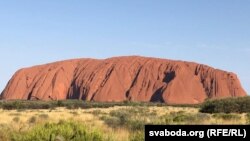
<point x="131" y="78"/>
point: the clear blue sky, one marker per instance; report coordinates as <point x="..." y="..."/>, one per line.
<point x="213" y="32"/>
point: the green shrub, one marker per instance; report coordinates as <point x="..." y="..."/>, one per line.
<point x="11" y="105"/>
<point x="136" y="125"/>
<point x="63" y="131"/>
<point x="75" y="113"/>
<point x="168" y="119"/>
<point x="60" y="103"/>
<point x="113" y="122"/>
<point x="181" y="118"/>
<point x="32" y="120"/>
<point x="226" y="116"/>
<point x="184" y="118"/>
<point x="122" y="116"/>
<point x="127" y="118"/>
<point x="229" y="105"/>
<point x="43" y="116"/>
<point x="137" y="136"/>
<point x="16" y="119"/>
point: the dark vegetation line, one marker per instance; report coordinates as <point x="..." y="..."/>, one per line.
<point x="74" y="104"/>
<point x="228" y="105"/>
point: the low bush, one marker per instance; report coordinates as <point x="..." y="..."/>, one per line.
<point x="181" y="118"/>
<point x="32" y="120"/>
<point x="74" y="113"/>
<point x="16" y="119"/>
<point x="137" y="136"/>
<point x="229" y="105"/>
<point x="97" y="112"/>
<point x="44" y="116"/>
<point x="226" y="116"/>
<point x="113" y="122"/>
<point x="136" y="125"/>
<point x="131" y="118"/>
<point x="185" y="118"/>
<point x="67" y="131"/>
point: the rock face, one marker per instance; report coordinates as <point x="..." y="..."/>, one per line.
<point x="123" y="78"/>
